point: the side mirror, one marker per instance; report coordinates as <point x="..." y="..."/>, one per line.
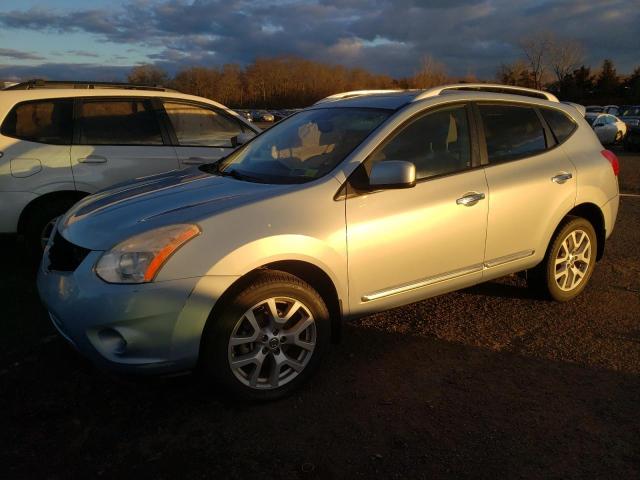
<point x="242" y="138"/>
<point x="392" y="174"/>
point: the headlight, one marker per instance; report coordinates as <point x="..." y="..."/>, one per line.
<point x="139" y="258"/>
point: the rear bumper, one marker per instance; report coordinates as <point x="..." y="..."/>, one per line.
<point x="152" y="328"/>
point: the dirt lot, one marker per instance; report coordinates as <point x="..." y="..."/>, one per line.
<point x="483" y="383"/>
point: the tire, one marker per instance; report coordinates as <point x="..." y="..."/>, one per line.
<point x="548" y="278"/>
<point x="41" y="218"/>
<point x="258" y="341"/>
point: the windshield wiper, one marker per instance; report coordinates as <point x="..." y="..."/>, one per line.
<point x="239" y="176"/>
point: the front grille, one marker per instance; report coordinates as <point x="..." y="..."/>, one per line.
<point x="64" y="256"/>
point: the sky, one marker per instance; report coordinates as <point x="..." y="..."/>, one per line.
<point x="102" y="40"/>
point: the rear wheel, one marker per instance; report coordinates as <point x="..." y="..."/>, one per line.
<point x="268" y="339"/>
<point x="569" y="262"/>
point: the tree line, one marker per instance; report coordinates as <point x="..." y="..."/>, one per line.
<point x="557" y="64"/>
<point x="281" y="82"/>
<point x="546" y="62"/>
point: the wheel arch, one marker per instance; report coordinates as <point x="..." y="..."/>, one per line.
<point x="31" y="207"/>
<point x="306" y="271"/>
<point x="592" y="213"/>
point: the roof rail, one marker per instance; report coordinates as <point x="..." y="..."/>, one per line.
<point x="39" y="83"/>
<point x="353" y="93"/>
<point x="487" y="87"/>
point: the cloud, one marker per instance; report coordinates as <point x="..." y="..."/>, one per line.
<point x="19" y="54"/>
<point x="383" y="35"/>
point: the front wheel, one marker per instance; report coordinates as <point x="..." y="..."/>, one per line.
<point x="268" y="339"/>
<point x="569" y="262"/>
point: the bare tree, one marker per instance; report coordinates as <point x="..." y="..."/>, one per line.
<point x="536" y="51"/>
<point x="564" y="56"/>
<point x="431" y="74"/>
<point x="516" y="73"/>
<point x="147" y="74"/>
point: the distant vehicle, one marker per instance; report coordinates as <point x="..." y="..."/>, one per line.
<point x="61" y="141"/>
<point x="630" y="114"/>
<point x="609" y="128"/>
<point x="246" y="114"/>
<point x="611" y="109"/>
<point x="262" y="116"/>
<point x="247" y="268"/>
<point x="594" y="109"/>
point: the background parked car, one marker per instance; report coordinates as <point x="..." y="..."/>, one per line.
<point x="612" y="109"/>
<point x="608" y="128"/>
<point x="594" y="109"/>
<point x="60" y="141"/>
<point x="262" y="116"/>
<point x="246" y="114"/>
<point x="630" y="114"/>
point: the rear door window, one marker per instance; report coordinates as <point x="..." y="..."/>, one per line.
<point x="119" y="122"/>
<point x="43" y="121"/>
<point x="511" y="132"/>
<point x="560" y="123"/>
<point x="197" y="126"/>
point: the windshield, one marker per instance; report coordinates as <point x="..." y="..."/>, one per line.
<point x="590" y="120"/>
<point x="303" y="147"/>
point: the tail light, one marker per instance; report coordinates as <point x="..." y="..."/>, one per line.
<point x="613" y="160"/>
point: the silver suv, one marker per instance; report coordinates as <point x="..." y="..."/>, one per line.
<point x="363" y="202"/>
<point x="61" y="141"/>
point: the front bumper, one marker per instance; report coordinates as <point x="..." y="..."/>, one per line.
<point x="145" y="328"/>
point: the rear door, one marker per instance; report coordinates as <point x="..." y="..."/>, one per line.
<point x="201" y="133"/>
<point x="116" y="140"/>
<point x="532" y="183"/>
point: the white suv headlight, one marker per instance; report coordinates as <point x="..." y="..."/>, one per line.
<point x="139" y="258"/>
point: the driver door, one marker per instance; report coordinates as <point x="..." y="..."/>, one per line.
<point x="408" y="244"/>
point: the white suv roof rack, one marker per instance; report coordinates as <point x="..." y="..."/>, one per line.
<point x="354" y="93"/>
<point x="487" y="87"/>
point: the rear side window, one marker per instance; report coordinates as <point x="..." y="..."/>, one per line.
<point x="45" y="121"/>
<point x="202" y="127"/>
<point x="119" y="122"/>
<point x="561" y="125"/>
<point x="511" y="132"/>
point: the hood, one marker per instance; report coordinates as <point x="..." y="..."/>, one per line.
<point x="106" y="218"/>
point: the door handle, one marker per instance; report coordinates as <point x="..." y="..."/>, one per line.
<point x="195" y="161"/>
<point x="470" y="199"/>
<point x="561" y="177"/>
<point x="93" y="159"/>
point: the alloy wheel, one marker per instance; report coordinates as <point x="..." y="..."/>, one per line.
<point x="272" y="343"/>
<point x="573" y="260"/>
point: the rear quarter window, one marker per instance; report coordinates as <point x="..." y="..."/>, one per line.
<point x="560" y="123"/>
<point x="43" y="121"/>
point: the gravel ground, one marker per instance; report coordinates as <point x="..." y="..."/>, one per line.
<point x="483" y="383"/>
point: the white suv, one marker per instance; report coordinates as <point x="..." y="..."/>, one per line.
<point x="60" y="141"/>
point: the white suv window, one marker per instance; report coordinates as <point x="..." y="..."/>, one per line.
<point x="43" y="121"/>
<point x="119" y="122"/>
<point x="201" y="127"/>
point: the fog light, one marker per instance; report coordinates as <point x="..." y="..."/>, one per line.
<point x="112" y="341"/>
